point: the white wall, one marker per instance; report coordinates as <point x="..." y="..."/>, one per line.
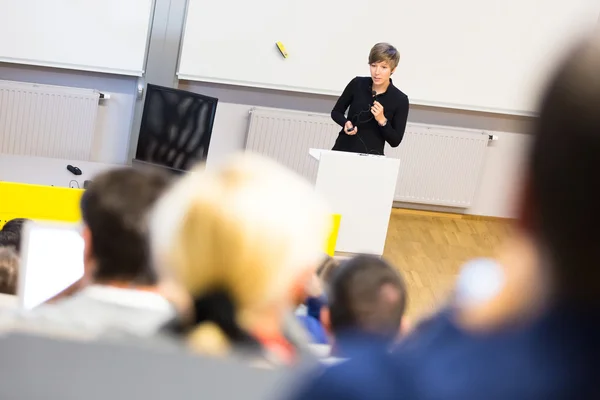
<point x="121" y="112"/>
<point x="499" y="179"/>
<point x="465" y="54"/>
<point x="114" y="115"/>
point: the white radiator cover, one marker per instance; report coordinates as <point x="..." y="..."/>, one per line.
<point x="47" y="121"/>
<point x="438" y="165"/>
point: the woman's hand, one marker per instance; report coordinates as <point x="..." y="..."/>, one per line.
<point x="350" y="129"/>
<point x="377" y="111"/>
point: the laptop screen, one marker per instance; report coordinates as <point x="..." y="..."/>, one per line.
<point x="52" y="260"/>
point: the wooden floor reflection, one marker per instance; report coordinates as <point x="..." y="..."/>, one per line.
<point x="429" y="248"/>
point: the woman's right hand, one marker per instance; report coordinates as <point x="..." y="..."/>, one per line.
<point x="350" y="129"/>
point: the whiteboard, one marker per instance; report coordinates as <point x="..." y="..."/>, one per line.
<point x="94" y="35"/>
<point x="468" y="54"/>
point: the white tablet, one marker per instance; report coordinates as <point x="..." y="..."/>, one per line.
<point x="51" y="261"/>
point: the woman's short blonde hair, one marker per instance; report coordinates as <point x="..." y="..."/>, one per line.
<point x="384" y="52"/>
<point x="249" y="227"/>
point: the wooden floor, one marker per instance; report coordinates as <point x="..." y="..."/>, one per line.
<point x="429" y="248"/>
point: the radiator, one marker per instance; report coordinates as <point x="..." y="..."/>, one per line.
<point x="47" y="121"/>
<point x="438" y="165"/>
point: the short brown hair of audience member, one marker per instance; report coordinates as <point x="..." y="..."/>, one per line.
<point x="10" y="234"/>
<point x="9" y="270"/>
<point x="326" y="269"/>
<point x="114" y="211"/>
<point x="367" y="295"/>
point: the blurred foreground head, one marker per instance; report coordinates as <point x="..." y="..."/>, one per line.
<point x="242" y="234"/>
<point x="560" y="202"/>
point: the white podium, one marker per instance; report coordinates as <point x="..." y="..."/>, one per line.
<point x="359" y="187"/>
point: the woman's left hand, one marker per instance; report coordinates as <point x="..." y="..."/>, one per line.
<point x="377" y="111"/>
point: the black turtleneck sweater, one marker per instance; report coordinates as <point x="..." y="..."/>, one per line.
<point x="370" y="137"/>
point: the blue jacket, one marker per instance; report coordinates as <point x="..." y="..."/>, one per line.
<point x="314" y="328"/>
<point x="555" y="357"/>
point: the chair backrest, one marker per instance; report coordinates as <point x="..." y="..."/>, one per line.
<point x="34" y="367"/>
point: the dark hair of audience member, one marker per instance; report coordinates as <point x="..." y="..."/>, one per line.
<point x="15" y="224"/>
<point x="561" y="200"/>
<point x="115" y="208"/>
<point x="367" y="294"/>
<point x="9" y="270"/>
<point x="9" y="239"/>
<point x="326" y="269"/>
<point x="10" y="234"/>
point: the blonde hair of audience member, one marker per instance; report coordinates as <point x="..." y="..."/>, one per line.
<point x="9" y="270"/>
<point x="249" y="227"/>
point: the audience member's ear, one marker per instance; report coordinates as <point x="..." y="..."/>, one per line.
<point x="89" y="262"/>
<point x="522" y="295"/>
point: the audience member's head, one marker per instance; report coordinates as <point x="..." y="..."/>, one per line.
<point x="239" y="238"/>
<point x="316" y="287"/>
<point x="367" y="295"/>
<point x="9" y="270"/>
<point x="560" y="197"/>
<point x="321" y="286"/>
<point x="10" y="234"/>
<point x="15" y="224"/>
<point x="326" y="270"/>
<point x="10" y="239"/>
<point x="114" y="210"/>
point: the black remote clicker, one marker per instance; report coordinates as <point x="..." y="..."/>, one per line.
<point x="74" y="170"/>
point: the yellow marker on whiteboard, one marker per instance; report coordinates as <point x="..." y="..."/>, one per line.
<point x="282" y="49"/>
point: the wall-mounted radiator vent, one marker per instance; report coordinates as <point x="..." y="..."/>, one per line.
<point x="438" y="165"/>
<point x="47" y="121"/>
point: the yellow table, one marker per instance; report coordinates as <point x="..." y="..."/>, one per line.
<point x="19" y="200"/>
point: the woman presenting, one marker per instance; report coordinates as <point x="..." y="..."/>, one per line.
<point x="377" y="109"/>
